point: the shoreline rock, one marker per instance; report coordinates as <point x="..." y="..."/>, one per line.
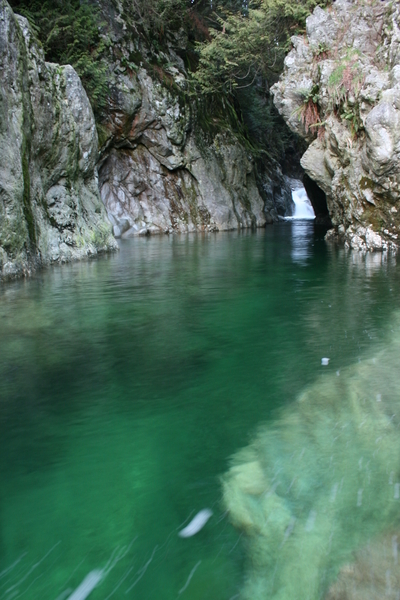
<point x="340" y="90"/>
<point x="50" y="208"/>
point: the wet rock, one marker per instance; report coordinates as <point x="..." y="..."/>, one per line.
<point x="373" y="574"/>
<point x="321" y="482"/>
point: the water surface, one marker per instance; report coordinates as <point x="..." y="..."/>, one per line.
<point x="127" y="383"/>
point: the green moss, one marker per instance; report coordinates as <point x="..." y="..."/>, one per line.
<point x="366" y="184"/>
<point x="102" y="133"/>
<point x="100" y="236"/>
<point x="26" y="141"/>
<point x="27" y="208"/>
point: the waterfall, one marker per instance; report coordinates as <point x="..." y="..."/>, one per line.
<point x="303" y="208"/>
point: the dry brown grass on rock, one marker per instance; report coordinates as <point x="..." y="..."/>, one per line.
<point x="310" y="115"/>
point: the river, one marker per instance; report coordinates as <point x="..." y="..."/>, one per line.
<point x="128" y="383"/>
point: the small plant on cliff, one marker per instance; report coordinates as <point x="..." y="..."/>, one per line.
<point x="344" y="87"/>
<point x="308" y="112"/>
<point x="321" y="52"/>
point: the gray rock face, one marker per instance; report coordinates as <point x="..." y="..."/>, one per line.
<point x="50" y="209"/>
<point x="159" y="171"/>
<point x="343" y="81"/>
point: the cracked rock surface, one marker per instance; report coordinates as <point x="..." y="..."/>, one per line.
<point x="159" y="171"/>
<point x="50" y="208"/>
<point x="340" y="90"/>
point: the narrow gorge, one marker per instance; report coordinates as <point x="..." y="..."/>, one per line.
<point x="199" y="325"/>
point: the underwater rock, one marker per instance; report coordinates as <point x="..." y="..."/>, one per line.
<point x="374" y="574"/>
<point x="320" y="480"/>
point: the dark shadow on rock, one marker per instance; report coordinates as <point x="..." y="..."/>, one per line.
<point x="318" y="201"/>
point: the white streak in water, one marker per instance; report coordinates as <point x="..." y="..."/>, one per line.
<point x="196" y="524"/>
<point x="113" y="561"/>
<point x="192" y="572"/>
<point x="142" y="571"/>
<point x="310" y="521"/>
<point x="10" y="568"/>
<point x="87" y="586"/>
<point x="76" y="568"/>
<point x="236" y="543"/>
<point x="64" y="594"/>
<point x="334" y="492"/>
<point x="34" y="580"/>
<point x="122" y="580"/>
<point x="32" y="568"/>
<point x="222" y="516"/>
<point x="289" y="530"/>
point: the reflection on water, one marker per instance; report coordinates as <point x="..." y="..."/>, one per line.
<point x="372" y="262"/>
<point x="126" y="384"/>
<point x="302" y="240"/>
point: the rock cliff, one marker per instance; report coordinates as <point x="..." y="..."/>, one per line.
<point x="156" y="160"/>
<point x="159" y="170"/>
<point x="340" y="90"/>
<point x="50" y="209"/>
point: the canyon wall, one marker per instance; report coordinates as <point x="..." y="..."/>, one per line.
<point x="50" y="208"/>
<point x="340" y="90"/>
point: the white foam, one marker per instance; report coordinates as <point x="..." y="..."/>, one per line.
<point x="303" y="208"/>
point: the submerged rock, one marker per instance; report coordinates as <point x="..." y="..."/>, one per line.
<point x="373" y="574"/>
<point x="321" y="480"/>
<point x="50" y="209"/>
<point x="340" y="90"/>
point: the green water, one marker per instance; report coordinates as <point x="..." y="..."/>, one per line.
<point x="127" y="383"/>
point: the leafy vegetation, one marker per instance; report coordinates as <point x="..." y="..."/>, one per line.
<point x="69" y="33"/>
<point x="250" y="44"/>
<point x="155" y="17"/>
<point x="244" y="56"/>
<point x="235" y="53"/>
